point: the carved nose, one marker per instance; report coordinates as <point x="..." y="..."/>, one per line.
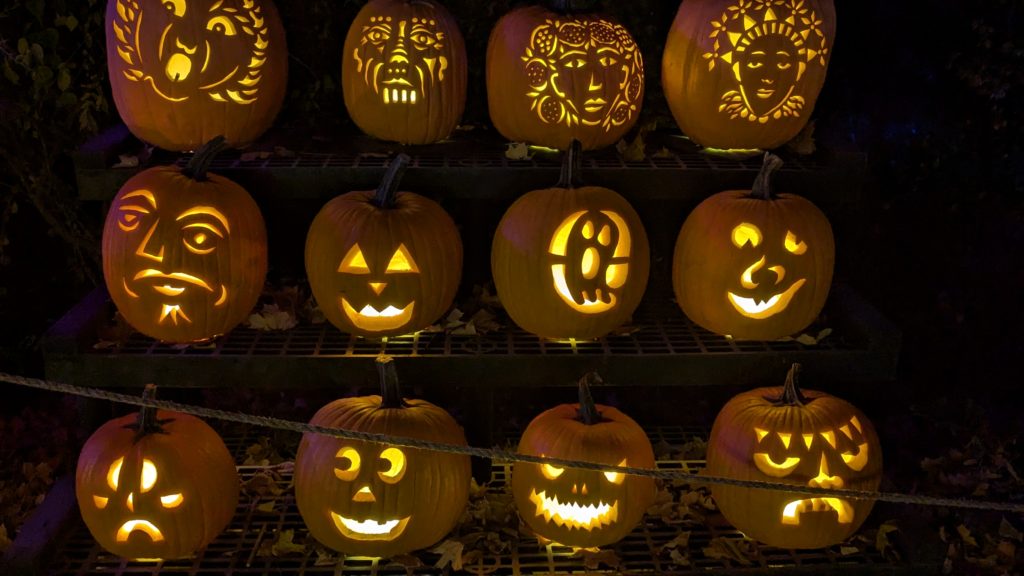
<point x="595" y="86"/>
<point x="576" y="490"/>
<point x="364" y="495"/>
<point x="823" y="479"/>
<point x="378" y="287"/>
<point x="152" y="250"/>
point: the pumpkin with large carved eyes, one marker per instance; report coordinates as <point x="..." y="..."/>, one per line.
<point x="184" y="252"/>
<point x="754" y="265"/>
<point x="184" y="71"/>
<point x="576" y="507"/>
<point x="800" y="437"/>
<point x="555" y="77"/>
<point x="570" y="261"/>
<point x="404" y="71"/>
<point x="370" y="499"/>
<point x="745" y="75"/>
<point x="157" y="485"/>
<point x="383" y="263"/>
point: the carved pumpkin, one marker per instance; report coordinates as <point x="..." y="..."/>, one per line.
<point x="383" y="263"/>
<point x="805" y="438"/>
<point x="583" y="508"/>
<point x="742" y="75"/>
<point x="370" y="499"/>
<point x="404" y="71"/>
<point x="570" y="261"/>
<point x="753" y="265"/>
<point x="184" y="252"/>
<point x="157" y="485"/>
<point x="184" y="71"/>
<point x="557" y="77"/>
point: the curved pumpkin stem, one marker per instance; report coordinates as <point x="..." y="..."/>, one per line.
<point x="588" y="413"/>
<point x="763" y="184"/>
<point x="201" y="160"/>
<point x="147" y="422"/>
<point x="572" y="165"/>
<point x="390" y="391"/>
<point x="385" y="197"/>
<point x="791" y="394"/>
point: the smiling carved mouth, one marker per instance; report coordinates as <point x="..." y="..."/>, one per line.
<point x="765" y="92"/>
<point x="574" y="515"/>
<point x="792" y="511"/>
<point x="367" y="530"/>
<point x="594" y="105"/>
<point x="373" y="320"/>
<point x="760" y="309"/>
<point x="169" y="289"/>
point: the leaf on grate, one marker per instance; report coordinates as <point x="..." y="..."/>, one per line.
<point x="451" y="554"/>
<point x="679" y="558"/>
<point x="272" y="318"/>
<point x="126" y="161"/>
<point x="325" y="557"/>
<point x="5" y="541"/>
<point x="737" y="550"/>
<point x="635" y="151"/>
<point x="682" y="540"/>
<point x="592" y="559"/>
<point x="883" y="542"/>
<point x="281" y="545"/>
<point x="263" y="484"/>
<point x="518" y="151"/>
<point x="262" y="453"/>
<point x="965" y="535"/>
<point x="848" y="550"/>
<point x="695" y="448"/>
<point x="663" y="153"/>
<point x="407" y="562"/>
<point x="625" y="330"/>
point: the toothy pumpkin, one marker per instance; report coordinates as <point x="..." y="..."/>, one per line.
<point x="184" y="252"/>
<point x="746" y="74"/>
<point x="570" y="261"/>
<point x="805" y="438"/>
<point x="404" y="71"/>
<point x="184" y="71"/>
<point x="754" y="265"/>
<point x="583" y="508"/>
<point x="383" y="263"/>
<point x="555" y="77"/>
<point x="376" y="500"/>
<point x="157" y="485"/>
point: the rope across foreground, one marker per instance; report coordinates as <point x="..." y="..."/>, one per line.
<point x="500" y="455"/>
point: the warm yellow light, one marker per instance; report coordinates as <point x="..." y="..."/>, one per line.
<point x="590" y="264"/>
<point x="794" y="246"/>
<point x="808" y="440"/>
<point x="131" y="502"/>
<point x="100" y="501"/>
<point x="174" y="312"/>
<point x="616" y="477"/>
<point x="373" y="320"/>
<point x="574" y="515"/>
<point x="144" y="526"/>
<point x="761" y="433"/>
<point x="759" y="310"/>
<point x="765" y="464"/>
<point x="746" y="233"/>
<point x="114" y="473"/>
<point x="746" y="279"/>
<point x="402" y="261"/>
<point x="364" y="494"/>
<point x="378" y="287"/>
<point x="589" y="306"/>
<point x="856" y="424"/>
<point x="785" y="439"/>
<point x="396" y="465"/>
<point x="560" y="239"/>
<point x="551" y="472"/>
<point x="172" y="500"/>
<point x="350" y="470"/>
<point x="179" y="66"/>
<point x="149" y="475"/>
<point x="207" y="211"/>
<point x="354" y="262"/>
<point x="859" y="460"/>
<point x="369" y="530"/>
<point x="829" y="437"/>
<point x="791" y="512"/>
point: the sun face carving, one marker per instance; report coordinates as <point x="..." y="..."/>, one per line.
<point x="746" y="235"/>
<point x="590" y="252"/>
<point x="129" y="492"/>
<point x="389" y="316"/>
<point x="402" y="58"/>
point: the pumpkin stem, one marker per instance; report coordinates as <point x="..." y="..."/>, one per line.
<point x="572" y="165"/>
<point x="588" y="413"/>
<point x="147" y="423"/>
<point x="390" y="391"/>
<point x="791" y="394"/>
<point x="763" y="185"/>
<point x="385" y="197"/>
<point x="201" y="160"/>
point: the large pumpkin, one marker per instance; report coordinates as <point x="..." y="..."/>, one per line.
<point x="158" y="485"/>
<point x="570" y="261"/>
<point x="383" y="263"/>
<point x="576" y="507"/>
<point x="184" y="71"/>
<point x="370" y="499"/>
<point x="804" y="438"/>
<point x="554" y="77"/>
<point x="753" y="265"/>
<point x="404" y="71"/>
<point x="746" y="74"/>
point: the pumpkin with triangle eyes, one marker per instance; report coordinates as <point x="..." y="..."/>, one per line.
<point x="383" y="263"/>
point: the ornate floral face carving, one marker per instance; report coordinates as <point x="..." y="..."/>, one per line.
<point x="750" y="297"/>
<point x="590" y="251"/>
<point x="402" y="58"/>
<point x="140" y="500"/>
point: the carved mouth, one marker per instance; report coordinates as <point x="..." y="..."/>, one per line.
<point x="171" y="289"/>
<point x="399" y="96"/>
<point x="573" y="515"/>
<point x="594" y="105"/>
<point x="765" y="93"/>
<point x="593" y="305"/>
<point x="367" y="530"/>
<point x="760" y="309"/>
<point x="373" y="320"/>
<point x="792" y="511"/>
<point x="144" y="526"/>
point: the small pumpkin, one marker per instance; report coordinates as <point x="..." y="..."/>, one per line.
<point x="570" y="261"/>
<point x="156" y="485"/>
<point x="746" y="75"/>
<point x="799" y="437"/>
<point x="754" y="265"/>
<point x="383" y="263"/>
<point x="184" y="251"/>
<point x="558" y="76"/>
<point x="583" y="508"/>
<point x="184" y="71"/>
<point x="370" y="499"/>
<point x="404" y="71"/>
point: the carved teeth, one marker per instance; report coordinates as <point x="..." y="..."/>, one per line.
<point x="791" y="513"/>
<point x="399" y="96"/>
<point x="574" y="515"/>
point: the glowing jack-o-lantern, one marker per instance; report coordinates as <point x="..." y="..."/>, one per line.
<point x="583" y="508"/>
<point x="805" y="438"/>
<point x="184" y="71"/>
<point x="370" y="499"/>
<point x="184" y="252"/>
<point x="553" y="78"/>
<point x="404" y="71"/>
<point x="753" y="265"/>
<point x="570" y="261"/>
<point x="157" y="485"/>
<point x="383" y="263"/>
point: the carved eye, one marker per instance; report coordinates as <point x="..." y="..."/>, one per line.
<point x="575" y="63"/>
<point x="394" y="460"/>
<point x="114" y="474"/>
<point x="402" y="261"/>
<point x="794" y="244"/>
<point x="551" y="472"/>
<point x="746" y="233"/>
<point x="607" y="61"/>
<point x="176" y="7"/>
<point x="348" y="464"/>
<point x="171" y="500"/>
<point x="857" y="461"/>
<point x="766" y="464"/>
<point x="130" y="216"/>
<point x="378" y="35"/>
<point x="354" y="262"/>
<point x="221" y="25"/>
<point x="423" y="39"/>
<point x="200" y="237"/>
<point x="616" y="477"/>
<point x="100" y="502"/>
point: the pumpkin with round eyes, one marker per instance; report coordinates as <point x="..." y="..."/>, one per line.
<point x="753" y="265"/>
<point x="383" y="263"/>
<point x="157" y="485"/>
<point x="184" y="252"/>
<point x="800" y="437"/>
<point x="184" y="71"/>
<point x="583" y="508"/>
<point x="369" y="499"/>
<point x="570" y="261"/>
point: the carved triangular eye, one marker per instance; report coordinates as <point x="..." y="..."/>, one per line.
<point x="354" y="262"/>
<point x="402" y="261"/>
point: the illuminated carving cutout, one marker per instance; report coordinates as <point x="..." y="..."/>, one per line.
<point x="354" y="262"/>
<point x="349" y="468"/>
<point x="551" y="472"/>
<point x="373" y="320"/>
<point x="144" y="526"/>
<point x="857" y="461"/>
<point x="171" y="500"/>
<point x="768" y="46"/>
<point x="761" y="309"/>
<point x="395" y="460"/>
<point x="583" y="72"/>
<point x="590" y="251"/>
<point x="369" y="530"/>
<point x="370" y="317"/>
<point x="401" y="60"/>
<point x="194" y="60"/>
<point x="843" y="509"/>
<point x="793" y="245"/>
<point x="765" y="464"/>
<point x="746" y="234"/>
<point x="617" y="477"/>
<point x="574" y="515"/>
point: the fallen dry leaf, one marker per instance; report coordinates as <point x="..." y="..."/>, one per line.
<point x="451" y="554"/>
<point x="281" y="545"/>
<point x="737" y="550"/>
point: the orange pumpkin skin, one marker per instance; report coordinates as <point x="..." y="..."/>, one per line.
<point x="185" y="71"/>
<point x="722" y="88"/>
<point x="404" y="71"/>
<point x="554" y="78"/>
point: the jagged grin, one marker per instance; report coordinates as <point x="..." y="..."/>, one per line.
<point x="373" y="320"/>
<point x="760" y="309"/>
<point x="574" y="515"/>
<point x="792" y="511"/>
<point x="369" y="529"/>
